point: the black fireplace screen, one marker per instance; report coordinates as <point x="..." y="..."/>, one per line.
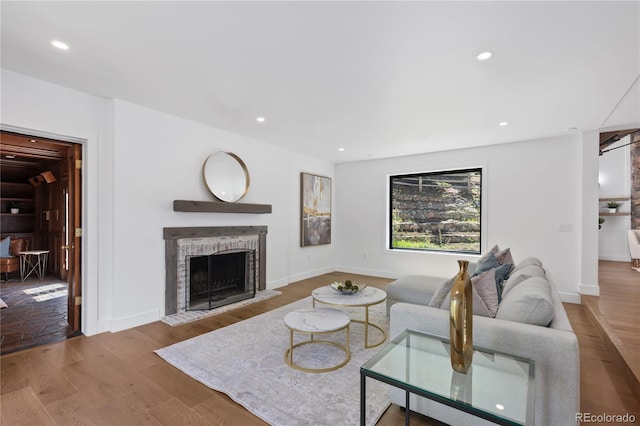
<point x="220" y="279"/>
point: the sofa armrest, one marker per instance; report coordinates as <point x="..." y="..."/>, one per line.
<point x="555" y="353"/>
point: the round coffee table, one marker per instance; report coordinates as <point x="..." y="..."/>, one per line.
<point x="316" y="321"/>
<point x="365" y="298"/>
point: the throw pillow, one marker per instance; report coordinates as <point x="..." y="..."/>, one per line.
<point x="512" y="282"/>
<point x="480" y="306"/>
<point x="4" y="247"/>
<point x="502" y="273"/>
<point x="485" y="286"/>
<point x="530" y="303"/>
<point x="504" y="256"/>
<point x="495" y="250"/>
<point x="489" y="263"/>
<point x="441" y="293"/>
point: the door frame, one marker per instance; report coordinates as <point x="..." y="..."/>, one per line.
<point x="82" y="143"/>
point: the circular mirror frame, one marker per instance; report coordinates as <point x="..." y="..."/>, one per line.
<point x="211" y="184"/>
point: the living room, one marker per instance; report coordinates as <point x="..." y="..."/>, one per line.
<point x="540" y="194"/>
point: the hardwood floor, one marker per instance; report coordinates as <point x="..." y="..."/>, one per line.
<point x="28" y="322"/>
<point x="616" y="313"/>
<point x="116" y="379"/>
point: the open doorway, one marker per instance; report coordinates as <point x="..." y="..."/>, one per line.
<point x="617" y="193"/>
<point x="41" y="285"/>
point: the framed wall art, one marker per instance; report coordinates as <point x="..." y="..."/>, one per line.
<point x="315" y="210"/>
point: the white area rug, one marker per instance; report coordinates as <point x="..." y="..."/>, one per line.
<point x="2" y="304"/>
<point x="246" y="361"/>
<point x="190" y="316"/>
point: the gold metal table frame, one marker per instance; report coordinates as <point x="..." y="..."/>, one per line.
<point x="343" y="322"/>
<point x="374" y="296"/>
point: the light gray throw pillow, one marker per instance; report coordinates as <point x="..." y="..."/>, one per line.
<point x="515" y="277"/>
<point x="529" y="302"/>
<point x="441" y="293"/>
<point x="485" y="296"/>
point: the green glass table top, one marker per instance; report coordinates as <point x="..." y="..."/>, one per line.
<point x="498" y="386"/>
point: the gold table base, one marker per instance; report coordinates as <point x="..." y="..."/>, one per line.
<point x="288" y="355"/>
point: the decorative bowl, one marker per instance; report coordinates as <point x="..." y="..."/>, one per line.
<point x="353" y="289"/>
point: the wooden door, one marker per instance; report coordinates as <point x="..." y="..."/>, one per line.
<point x="74" y="234"/>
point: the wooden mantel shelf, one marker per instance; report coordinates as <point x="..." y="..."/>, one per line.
<point x="219" y="207"/>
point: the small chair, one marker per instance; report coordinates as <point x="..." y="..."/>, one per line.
<point x="12" y="264"/>
<point x="634" y="246"/>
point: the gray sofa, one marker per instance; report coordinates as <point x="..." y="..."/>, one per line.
<point x="554" y="347"/>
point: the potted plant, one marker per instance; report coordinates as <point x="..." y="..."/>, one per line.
<point x="15" y="207"/>
<point x="613" y="206"/>
<point x="600" y="222"/>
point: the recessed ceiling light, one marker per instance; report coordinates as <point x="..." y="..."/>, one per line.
<point x="572" y="129"/>
<point x="260" y="119"/>
<point x="60" y="45"/>
<point x="500" y="406"/>
<point x="483" y="56"/>
<point x="340" y="149"/>
<point x="504" y="123"/>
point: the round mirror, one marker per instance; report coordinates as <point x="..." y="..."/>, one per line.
<point x="226" y="176"/>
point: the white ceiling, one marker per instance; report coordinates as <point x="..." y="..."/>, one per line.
<point x="379" y="79"/>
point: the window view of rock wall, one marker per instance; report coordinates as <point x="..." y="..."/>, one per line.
<point x="436" y="211"/>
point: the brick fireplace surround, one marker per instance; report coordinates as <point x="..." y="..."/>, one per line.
<point x="189" y="241"/>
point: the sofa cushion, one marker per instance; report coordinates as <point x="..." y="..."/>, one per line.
<point x="515" y="277"/>
<point x="5" y="244"/>
<point x="415" y="288"/>
<point x="526" y="262"/>
<point x="529" y="302"/>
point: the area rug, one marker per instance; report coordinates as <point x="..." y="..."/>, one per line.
<point x="190" y="316"/>
<point x="246" y="361"/>
<point x="2" y="304"/>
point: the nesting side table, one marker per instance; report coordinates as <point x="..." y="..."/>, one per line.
<point x="316" y="321"/>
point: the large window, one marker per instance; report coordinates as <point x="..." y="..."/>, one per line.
<point x="438" y="211"/>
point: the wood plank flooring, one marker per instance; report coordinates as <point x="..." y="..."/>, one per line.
<point x="616" y="314"/>
<point x="27" y="322"/>
<point x="116" y="379"/>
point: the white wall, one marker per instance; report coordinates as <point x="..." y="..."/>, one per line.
<point x="615" y="181"/>
<point x="532" y="190"/>
<point x="137" y="161"/>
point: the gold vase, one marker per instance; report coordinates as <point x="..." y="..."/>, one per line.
<point x="461" y="319"/>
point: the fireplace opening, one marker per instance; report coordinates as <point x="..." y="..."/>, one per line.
<point x="220" y="278"/>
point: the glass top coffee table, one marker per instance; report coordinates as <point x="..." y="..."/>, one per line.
<point x="365" y="298"/>
<point x="499" y="387"/>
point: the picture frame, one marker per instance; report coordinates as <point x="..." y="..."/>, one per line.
<point x="315" y="210"/>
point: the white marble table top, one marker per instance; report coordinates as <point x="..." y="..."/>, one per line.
<point x="366" y="297"/>
<point x="316" y="320"/>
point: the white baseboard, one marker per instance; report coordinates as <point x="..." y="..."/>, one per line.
<point x="134" y="320"/>
<point x="570" y="298"/>
<point x="310" y="274"/>
<point x="590" y="290"/>
<point x="366" y="271"/>
<point x="616" y="258"/>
